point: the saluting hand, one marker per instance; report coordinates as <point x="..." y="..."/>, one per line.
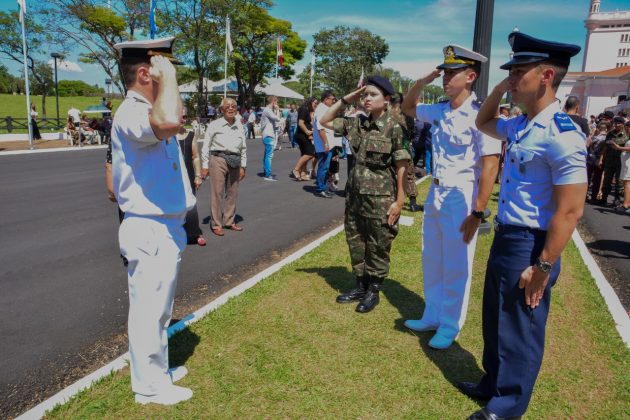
<point x="355" y="95"/>
<point x="161" y="68"/>
<point x="534" y="282"/>
<point x="469" y="227"/>
<point x="503" y="86"/>
<point x="430" y="77"/>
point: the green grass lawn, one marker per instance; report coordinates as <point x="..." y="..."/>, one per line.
<point x="15" y="106"/>
<point x="285" y="349"/>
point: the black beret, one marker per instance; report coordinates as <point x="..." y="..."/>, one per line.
<point x="619" y="120"/>
<point x="382" y="83"/>
<point x="609" y="114"/>
<point x="527" y="49"/>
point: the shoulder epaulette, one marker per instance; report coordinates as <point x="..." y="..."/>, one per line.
<point x="563" y="122"/>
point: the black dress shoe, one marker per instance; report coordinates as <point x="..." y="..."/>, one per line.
<point x="485" y="414"/>
<point x="471" y="390"/>
<point x="354" y="294"/>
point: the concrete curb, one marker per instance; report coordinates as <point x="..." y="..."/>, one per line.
<point x="621" y="318"/>
<point x="57" y="149"/>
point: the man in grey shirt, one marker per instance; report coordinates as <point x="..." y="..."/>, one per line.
<point x="292" y="123"/>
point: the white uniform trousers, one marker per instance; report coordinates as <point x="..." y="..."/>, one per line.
<point x="446" y="259"/>
<point x="153" y="247"/>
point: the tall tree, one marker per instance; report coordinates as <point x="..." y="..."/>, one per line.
<point x="94" y="28"/>
<point x="197" y="28"/>
<point x="341" y="53"/>
<point x="254" y="35"/>
<point x="36" y="39"/>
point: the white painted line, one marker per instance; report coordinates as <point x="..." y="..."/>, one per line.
<point x="57" y="149"/>
<point x="619" y="314"/>
<point x="65" y="394"/>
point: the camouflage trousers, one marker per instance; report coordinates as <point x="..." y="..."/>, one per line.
<point x="369" y="240"/>
<point x="411" y="189"/>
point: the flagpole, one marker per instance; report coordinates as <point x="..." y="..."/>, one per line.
<point x="26" y="84"/>
<point x="225" y="62"/>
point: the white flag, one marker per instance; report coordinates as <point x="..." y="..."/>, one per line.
<point x="312" y="65"/>
<point x="22" y="6"/>
<point x="228" y="37"/>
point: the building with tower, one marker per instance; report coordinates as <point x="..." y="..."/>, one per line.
<point x="604" y="81"/>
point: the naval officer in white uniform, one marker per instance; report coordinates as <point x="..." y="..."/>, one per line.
<point x="151" y="186"/>
<point x="465" y="164"/>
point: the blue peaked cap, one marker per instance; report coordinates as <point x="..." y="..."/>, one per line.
<point x="528" y="49"/>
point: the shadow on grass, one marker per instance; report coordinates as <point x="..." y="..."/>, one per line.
<point x="181" y="346"/>
<point x="455" y="363"/>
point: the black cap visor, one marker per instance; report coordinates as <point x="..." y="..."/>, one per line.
<point x="452" y="66"/>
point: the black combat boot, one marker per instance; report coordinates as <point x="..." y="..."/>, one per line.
<point x="354" y="294"/>
<point x="371" y="299"/>
<point x="413" y="206"/>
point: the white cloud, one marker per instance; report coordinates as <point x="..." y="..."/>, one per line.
<point x="66" y="65"/>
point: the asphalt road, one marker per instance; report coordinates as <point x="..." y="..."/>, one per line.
<point x="607" y="236"/>
<point x="64" y="291"/>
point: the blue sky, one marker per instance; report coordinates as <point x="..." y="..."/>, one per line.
<point x="416" y="30"/>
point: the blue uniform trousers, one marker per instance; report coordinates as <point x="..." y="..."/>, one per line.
<point x="513" y="333"/>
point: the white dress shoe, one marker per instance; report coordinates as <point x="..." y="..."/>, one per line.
<point x="177" y="373"/>
<point x="419" y="325"/>
<point x="167" y="396"/>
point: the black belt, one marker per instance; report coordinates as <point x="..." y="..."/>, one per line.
<point x="503" y="227"/>
<point x="221" y="153"/>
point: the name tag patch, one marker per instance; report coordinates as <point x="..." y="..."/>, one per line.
<point x="563" y="122"/>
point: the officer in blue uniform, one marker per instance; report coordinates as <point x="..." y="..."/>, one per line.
<point x="541" y="200"/>
<point x="151" y="186"/>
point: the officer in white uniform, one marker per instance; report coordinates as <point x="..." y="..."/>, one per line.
<point x="543" y="189"/>
<point x="465" y="163"/>
<point x="151" y="186"/>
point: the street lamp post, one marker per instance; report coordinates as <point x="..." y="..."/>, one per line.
<point x="55" y="56"/>
<point x="108" y="82"/>
<point x="482" y="43"/>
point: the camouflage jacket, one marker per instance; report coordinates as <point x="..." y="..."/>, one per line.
<point x="612" y="157"/>
<point x="377" y="146"/>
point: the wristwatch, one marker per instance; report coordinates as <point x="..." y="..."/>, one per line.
<point x="477" y="214"/>
<point x="544" y="266"/>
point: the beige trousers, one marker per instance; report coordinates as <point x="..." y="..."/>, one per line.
<point x="223" y="192"/>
